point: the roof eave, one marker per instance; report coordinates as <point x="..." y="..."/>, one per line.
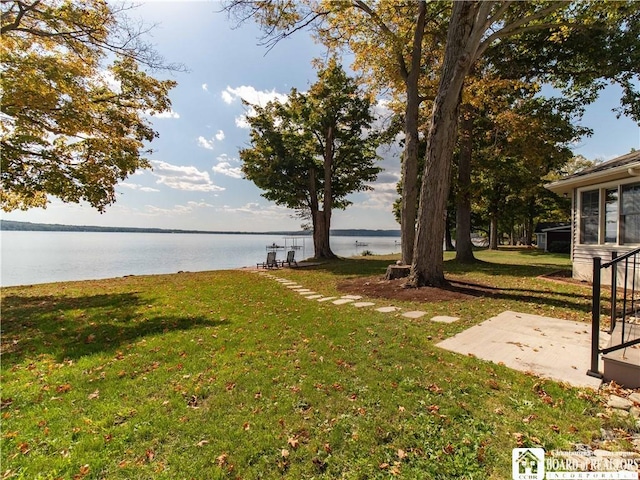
<point x="561" y="187"/>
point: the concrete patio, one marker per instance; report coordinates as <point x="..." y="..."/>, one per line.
<point x="548" y="347"/>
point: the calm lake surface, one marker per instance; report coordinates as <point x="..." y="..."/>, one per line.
<point x="42" y="257"/>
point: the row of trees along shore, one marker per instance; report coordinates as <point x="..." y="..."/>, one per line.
<point x="463" y="78"/>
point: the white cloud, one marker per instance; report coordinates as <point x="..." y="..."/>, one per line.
<point x="152" y="210"/>
<point x="166" y="114"/>
<point x="224" y="167"/>
<point x="205" y="87"/>
<point x="381" y="197"/>
<point x="205" y="143"/>
<point x="220" y="135"/>
<point x="241" y="122"/>
<point x="272" y="212"/>
<point x="187" y="178"/>
<point x="137" y="186"/>
<point x="251" y="95"/>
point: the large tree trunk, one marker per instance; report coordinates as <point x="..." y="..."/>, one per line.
<point x="493" y="232"/>
<point x="427" y="267"/>
<point x="409" y="206"/>
<point x="322" y="225"/>
<point x="464" y="246"/>
<point x="321" y="229"/>
<point x="448" y="240"/>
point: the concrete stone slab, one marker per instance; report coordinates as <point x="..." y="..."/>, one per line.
<point x="363" y="304"/>
<point x="301" y="290"/>
<point x="342" y="301"/>
<point x="314" y="297"/>
<point x="294" y="286"/>
<point x="414" y="314"/>
<point x="306" y="292"/>
<point x="326" y="299"/>
<point x="444" y="319"/>
<point x="352" y="297"/>
<point x="548" y="347"/>
<point x="387" y="309"/>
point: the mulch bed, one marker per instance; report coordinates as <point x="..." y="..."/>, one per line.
<point x="378" y="287"/>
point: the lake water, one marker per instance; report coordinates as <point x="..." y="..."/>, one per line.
<point x="41" y="257"/>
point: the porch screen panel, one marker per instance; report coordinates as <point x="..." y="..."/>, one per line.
<point x="589" y="216"/>
<point x="630" y="216"/>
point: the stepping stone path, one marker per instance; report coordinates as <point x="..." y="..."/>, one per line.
<point x="351" y="299"/>
<point x="414" y="314"/>
<point x="444" y="319"/>
<point x="387" y="309"/>
<point x="342" y="301"/>
<point x="363" y="304"/>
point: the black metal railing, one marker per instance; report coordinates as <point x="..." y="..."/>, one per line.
<point x="624" y="296"/>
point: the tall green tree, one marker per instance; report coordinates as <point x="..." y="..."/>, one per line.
<point x="475" y="27"/>
<point x="396" y="45"/>
<point x="579" y="45"/>
<point x="312" y="151"/>
<point x="76" y="102"/>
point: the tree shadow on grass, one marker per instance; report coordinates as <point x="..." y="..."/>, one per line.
<point x="369" y="267"/>
<point x="71" y="327"/>
<point x="576" y="301"/>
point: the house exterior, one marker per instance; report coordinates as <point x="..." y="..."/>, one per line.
<point x="553" y="236"/>
<point x="605" y="212"/>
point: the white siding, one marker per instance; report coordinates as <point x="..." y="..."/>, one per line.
<point x="583" y="256"/>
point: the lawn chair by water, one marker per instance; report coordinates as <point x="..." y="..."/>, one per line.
<point x="291" y="261"/>
<point x="271" y="261"/>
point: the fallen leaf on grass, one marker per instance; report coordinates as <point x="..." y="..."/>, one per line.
<point x="519" y="438"/>
<point x="94" y="395"/>
<point x="64" y="388"/>
<point x="493" y="385"/>
<point x="202" y="443"/>
<point x="435" y="388"/>
<point x="448" y="449"/>
<point x="293" y="442"/>
<point x="84" y="471"/>
<point x="221" y="460"/>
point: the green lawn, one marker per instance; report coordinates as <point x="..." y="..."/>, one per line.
<point x="230" y="375"/>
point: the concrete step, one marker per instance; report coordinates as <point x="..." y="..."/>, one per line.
<point x="623" y="366"/>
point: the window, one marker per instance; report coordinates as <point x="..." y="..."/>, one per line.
<point x="630" y="214"/>
<point x="611" y="215"/>
<point x="589" y="216"/>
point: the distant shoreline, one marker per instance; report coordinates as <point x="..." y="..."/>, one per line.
<point x="11" y="225"/>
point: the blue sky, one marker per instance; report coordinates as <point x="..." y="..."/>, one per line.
<point x="196" y="181"/>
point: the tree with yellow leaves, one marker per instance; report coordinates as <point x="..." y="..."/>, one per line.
<point x="76" y="102"/>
